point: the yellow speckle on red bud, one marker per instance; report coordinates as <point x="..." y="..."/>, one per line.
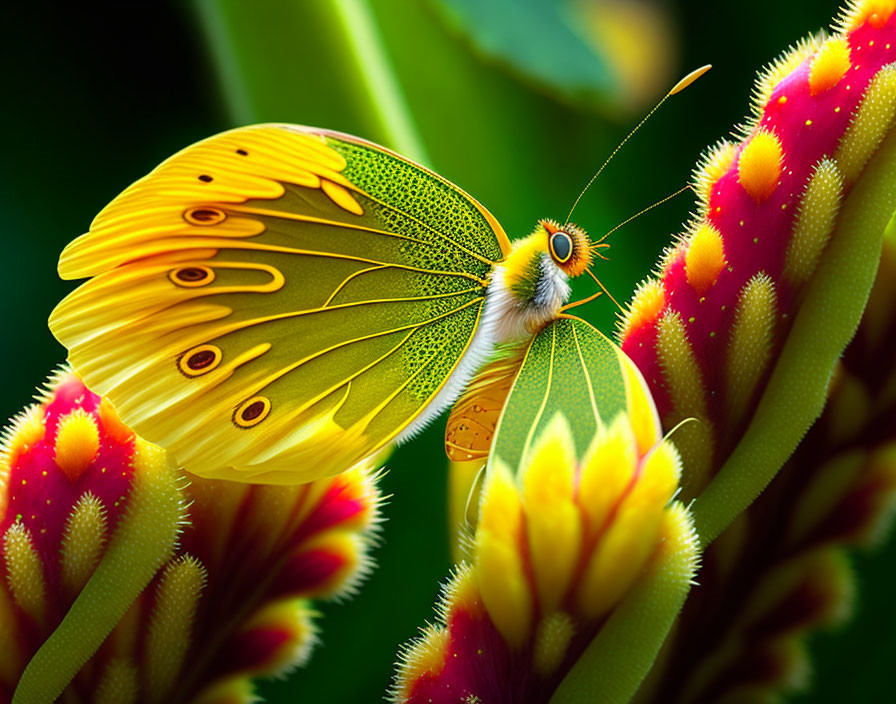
<point x="750" y="346"/>
<point x="815" y="222"/>
<point x="780" y="69"/>
<point x="552" y="638"/>
<point x="77" y="442"/>
<point x="427" y="657"/>
<point x="24" y="572"/>
<point x="705" y="258"/>
<point x="829" y="65"/>
<point x="871" y="123"/>
<point x="82" y="543"/>
<point x="499" y="567"/>
<point x="874" y="12"/>
<point x="712" y="167"/>
<point x="28" y="429"/>
<point x="760" y="165"/>
<point x="553" y="524"/>
<point x="645" y="305"/>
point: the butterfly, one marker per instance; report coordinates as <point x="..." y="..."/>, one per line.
<point x="276" y="303"/>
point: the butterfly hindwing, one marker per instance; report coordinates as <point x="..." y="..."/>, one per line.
<point x="471" y="425"/>
<point x="275" y="303"/>
<point x="572" y="369"/>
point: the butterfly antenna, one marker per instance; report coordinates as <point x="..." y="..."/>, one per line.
<point x="680" y="86"/>
<point x="637" y="215"/>
<point x="690" y="419"/>
<point x="603" y="288"/>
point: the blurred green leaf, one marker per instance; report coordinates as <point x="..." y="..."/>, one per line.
<point x="541" y="40"/>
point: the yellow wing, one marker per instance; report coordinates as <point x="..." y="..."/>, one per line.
<point x="275" y="303"/>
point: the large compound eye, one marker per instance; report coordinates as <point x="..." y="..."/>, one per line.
<point x="561" y="246"/>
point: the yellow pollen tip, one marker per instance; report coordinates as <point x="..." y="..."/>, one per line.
<point x="829" y="65"/>
<point x="875" y="12"/>
<point x="689" y="79"/>
<point x="645" y="306"/>
<point x="28" y="430"/>
<point x="705" y="258"/>
<point x="760" y="165"/>
<point x="713" y="167"/>
<point x="77" y="442"/>
<point x="427" y="656"/>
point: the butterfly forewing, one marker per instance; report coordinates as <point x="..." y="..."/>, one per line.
<point x="276" y="303"/>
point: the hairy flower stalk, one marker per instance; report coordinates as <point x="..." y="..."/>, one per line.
<point x="767" y="284"/>
<point x="557" y="547"/>
<point x="231" y="601"/>
<point x="781" y="570"/>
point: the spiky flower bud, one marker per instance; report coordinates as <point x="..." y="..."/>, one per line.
<point x="707" y="332"/>
<point x="557" y="547"/>
<point x="82" y="501"/>
<point x="782" y="570"/>
<point x="87" y="511"/>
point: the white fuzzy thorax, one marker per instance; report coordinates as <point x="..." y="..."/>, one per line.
<point x="514" y="319"/>
<point x="505" y="318"/>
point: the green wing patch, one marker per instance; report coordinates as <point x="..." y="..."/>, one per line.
<point x="276" y="303"/>
<point x="569" y="368"/>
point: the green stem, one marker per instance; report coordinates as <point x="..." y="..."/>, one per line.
<point x="320" y="63"/>
<point x="378" y="78"/>
<point x="143" y="541"/>
<point x="825" y="324"/>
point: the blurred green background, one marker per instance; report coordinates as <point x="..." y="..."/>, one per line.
<point x="517" y="101"/>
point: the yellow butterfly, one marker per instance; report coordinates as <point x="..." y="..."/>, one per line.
<point x="276" y="303"/>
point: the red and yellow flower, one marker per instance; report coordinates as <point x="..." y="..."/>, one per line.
<point x="113" y="593"/>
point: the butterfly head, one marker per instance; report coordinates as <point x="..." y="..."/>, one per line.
<point x="568" y="246"/>
<point x="532" y="284"/>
